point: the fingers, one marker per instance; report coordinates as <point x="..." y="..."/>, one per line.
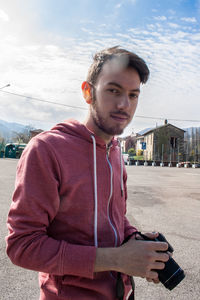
<point x="164" y="257"/>
<point x="152" y="275"/>
<point x="142" y="258"/>
<point x="152" y="235"/>
<point x="156" y="246"/>
<point x="158" y="266"/>
<point x="160" y="246"/>
<point x="156" y="281"/>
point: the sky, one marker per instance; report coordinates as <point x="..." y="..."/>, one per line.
<point x="46" y="47"/>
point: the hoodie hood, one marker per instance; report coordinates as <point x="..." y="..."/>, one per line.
<point x="75" y="128"/>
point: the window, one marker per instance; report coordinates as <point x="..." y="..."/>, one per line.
<point x="173" y="142"/>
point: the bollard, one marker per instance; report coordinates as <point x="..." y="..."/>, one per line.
<point x="194" y="165"/>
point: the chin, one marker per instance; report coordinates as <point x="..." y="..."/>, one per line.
<point x="118" y="132"/>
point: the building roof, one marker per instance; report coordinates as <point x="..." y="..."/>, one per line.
<point x="165" y="125"/>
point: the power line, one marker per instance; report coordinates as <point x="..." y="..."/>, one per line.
<point x="84" y="108"/>
<point x="42" y="100"/>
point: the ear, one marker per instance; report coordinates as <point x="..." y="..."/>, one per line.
<point x="87" y="92"/>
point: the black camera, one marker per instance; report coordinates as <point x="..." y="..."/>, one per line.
<point x="172" y="274"/>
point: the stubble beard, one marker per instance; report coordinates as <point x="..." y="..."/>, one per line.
<point x="102" y="123"/>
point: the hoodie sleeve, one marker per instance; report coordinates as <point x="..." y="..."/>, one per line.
<point x="35" y="204"/>
<point x="128" y="228"/>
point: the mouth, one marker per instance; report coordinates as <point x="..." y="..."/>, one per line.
<point x="121" y="118"/>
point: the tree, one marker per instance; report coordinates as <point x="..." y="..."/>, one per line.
<point x="139" y="152"/>
<point x="24" y="136"/>
<point x="2" y="142"/>
<point x="2" y="146"/>
<point x="130" y="143"/>
<point x="131" y="152"/>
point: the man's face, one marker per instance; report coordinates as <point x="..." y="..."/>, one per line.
<point x="115" y="98"/>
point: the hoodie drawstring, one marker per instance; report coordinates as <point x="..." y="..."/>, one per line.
<point x="95" y="187"/>
<point x="95" y="192"/>
<point x="121" y="166"/>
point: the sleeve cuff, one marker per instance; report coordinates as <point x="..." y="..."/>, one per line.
<point x="79" y="260"/>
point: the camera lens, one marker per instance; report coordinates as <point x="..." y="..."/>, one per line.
<point x="175" y="280"/>
<point x="171" y="275"/>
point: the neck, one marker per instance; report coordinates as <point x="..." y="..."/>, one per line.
<point x="89" y="123"/>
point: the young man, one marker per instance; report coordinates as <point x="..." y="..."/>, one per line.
<point x="67" y="219"/>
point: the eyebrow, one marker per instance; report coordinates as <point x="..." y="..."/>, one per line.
<point x="119" y="86"/>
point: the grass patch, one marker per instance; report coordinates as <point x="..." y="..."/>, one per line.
<point x="137" y="157"/>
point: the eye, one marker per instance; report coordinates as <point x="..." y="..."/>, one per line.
<point x="114" y="91"/>
<point x="134" y="96"/>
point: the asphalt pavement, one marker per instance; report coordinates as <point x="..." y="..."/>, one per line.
<point x="159" y="199"/>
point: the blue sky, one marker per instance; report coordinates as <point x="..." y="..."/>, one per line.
<point x="46" y="48"/>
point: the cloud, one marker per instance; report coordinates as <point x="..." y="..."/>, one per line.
<point x="196" y="37"/>
<point x="86" y="21"/>
<point x="86" y="30"/>
<point x="173" y="58"/>
<point x="118" y="5"/>
<point x="133" y="1"/>
<point x="55" y="73"/>
<point x="3" y="16"/>
<point x="189" y="20"/>
<point x="160" y="18"/>
<point x="171" y="12"/>
<point x="52" y="67"/>
<point x="174" y="25"/>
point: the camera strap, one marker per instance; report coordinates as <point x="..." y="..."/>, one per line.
<point x="120" y="288"/>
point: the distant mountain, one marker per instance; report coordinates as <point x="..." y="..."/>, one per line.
<point x="7" y="129"/>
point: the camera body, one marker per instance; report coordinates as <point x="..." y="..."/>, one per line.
<point x="172" y="274"/>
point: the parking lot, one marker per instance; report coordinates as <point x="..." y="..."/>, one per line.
<point x="159" y="199"/>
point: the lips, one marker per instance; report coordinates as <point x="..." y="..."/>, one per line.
<point x="119" y="117"/>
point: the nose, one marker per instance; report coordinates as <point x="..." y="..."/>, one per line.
<point x="123" y="102"/>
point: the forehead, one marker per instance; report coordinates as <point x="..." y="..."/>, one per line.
<point x="127" y="77"/>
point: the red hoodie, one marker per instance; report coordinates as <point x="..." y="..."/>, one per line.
<point x="67" y="202"/>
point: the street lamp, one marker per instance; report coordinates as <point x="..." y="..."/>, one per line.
<point x="5" y="86"/>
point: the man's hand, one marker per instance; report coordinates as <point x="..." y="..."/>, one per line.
<point x="135" y="258"/>
<point x="141" y="258"/>
<point x="153" y="236"/>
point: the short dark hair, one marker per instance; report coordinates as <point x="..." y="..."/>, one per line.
<point x="132" y="61"/>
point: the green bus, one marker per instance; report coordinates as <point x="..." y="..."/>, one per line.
<point x="14" y="150"/>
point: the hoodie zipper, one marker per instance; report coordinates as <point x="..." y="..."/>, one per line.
<point x="111" y="192"/>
